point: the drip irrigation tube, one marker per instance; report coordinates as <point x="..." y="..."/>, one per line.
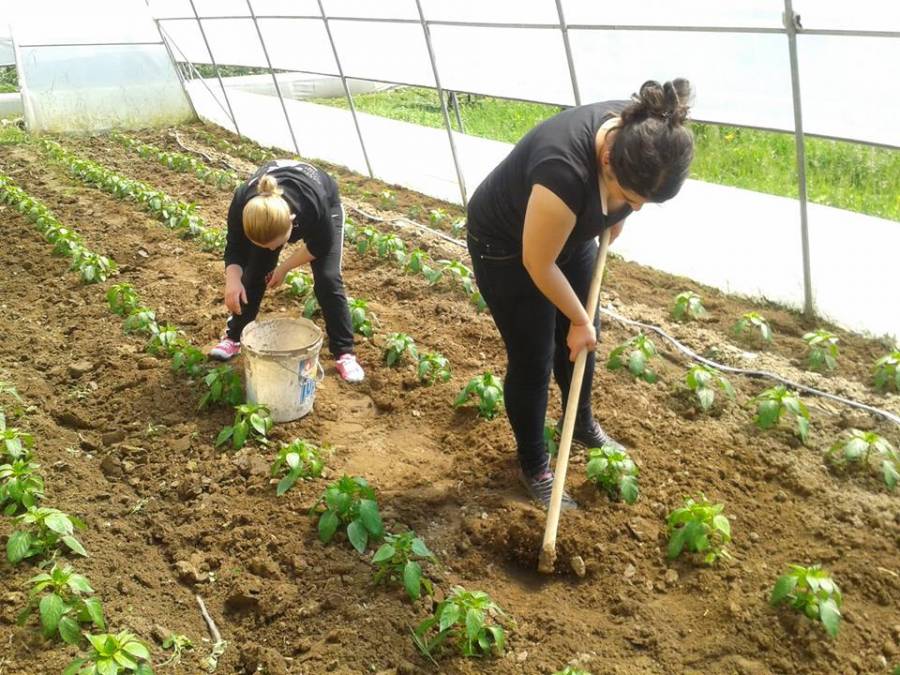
<point x="687" y="351"/>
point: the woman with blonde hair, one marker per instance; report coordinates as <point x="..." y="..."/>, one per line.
<point x="283" y="202"/>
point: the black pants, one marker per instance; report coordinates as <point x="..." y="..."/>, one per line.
<point x="327" y="286"/>
<point x="534" y="332"/>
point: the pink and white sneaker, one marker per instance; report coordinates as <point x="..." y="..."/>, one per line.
<point x="226" y="350"/>
<point x="349" y="369"/>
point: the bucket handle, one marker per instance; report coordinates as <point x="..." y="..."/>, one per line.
<point x="320" y="375"/>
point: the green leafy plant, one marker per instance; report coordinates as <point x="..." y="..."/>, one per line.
<point x="572" y="670"/>
<point x="91" y="266"/>
<point x="351" y="502"/>
<point x="437" y="216"/>
<point x="417" y="261"/>
<point x="688" y="305"/>
<point x="399" y="560"/>
<point x="611" y="469"/>
<point x="45" y="528"/>
<point x="458" y="228"/>
<point x="21" y="486"/>
<point x="858" y="447"/>
<point x="111" y="654"/>
<point x="178" y="644"/>
<point x="489" y="392"/>
<point x="551" y="437"/>
<point x="122" y="299"/>
<point x="363" y="321"/>
<point x="365" y="239"/>
<point x="300" y="459"/>
<point x="164" y="339"/>
<point x="773" y="403"/>
<point x="397" y="346"/>
<point x="431" y="367"/>
<point x="634" y="354"/>
<point x="251" y="421"/>
<point x="886" y="372"/>
<point x="699" y="527"/>
<point x="752" y="320"/>
<point x="702" y="380"/>
<point x="223" y="386"/>
<point x="823" y="349"/>
<point x="811" y="591"/>
<point x="469" y="621"/>
<point x="390" y="246"/>
<point x="61" y="600"/>
<point x="140" y="320"/>
<point x="187" y="359"/>
<point x="14" y="444"/>
<point x="299" y="284"/>
<point x="387" y="200"/>
<point x="222" y="179"/>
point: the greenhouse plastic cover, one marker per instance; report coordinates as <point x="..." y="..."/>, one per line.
<point x="78" y="75"/>
<point x="740" y="78"/>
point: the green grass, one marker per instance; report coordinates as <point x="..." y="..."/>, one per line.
<point x="9" y="81"/>
<point x="845" y="175"/>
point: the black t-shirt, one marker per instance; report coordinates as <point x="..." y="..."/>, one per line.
<point x="311" y="194"/>
<point x="560" y="154"/>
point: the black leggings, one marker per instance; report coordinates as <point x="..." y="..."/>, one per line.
<point x="327" y="286"/>
<point x="534" y="332"/>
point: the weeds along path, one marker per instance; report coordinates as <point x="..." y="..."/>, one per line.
<point x="289" y="602"/>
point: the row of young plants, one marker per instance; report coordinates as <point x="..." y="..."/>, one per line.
<point x="173" y="213"/>
<point x="772" y="405"/>
<point x="223" y="179"/>
<point x="822" y="345"/>
<point x="388" y="246"/>
<point x="91" y="267"/>
<point x="64" y="601"/>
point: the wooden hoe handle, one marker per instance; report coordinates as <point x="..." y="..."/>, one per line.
<point x="548" y="550"/>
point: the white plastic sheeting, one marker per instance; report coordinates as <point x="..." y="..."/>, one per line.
<point x="740" y="77"/>
<point x="88" y="75"/>
<point x="7" y="58"/>
<point x="737" y="240"/>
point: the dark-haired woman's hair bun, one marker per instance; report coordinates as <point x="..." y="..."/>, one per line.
<point x="669" y="101"/>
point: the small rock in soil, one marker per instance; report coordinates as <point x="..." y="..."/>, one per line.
<point x="182" y="444"/>
<point x="671" y="577"/>
<point x="79" y="368"/>
<point x="147" y="363"/>
<point x="263" y="567"/>
<point x="630" y="571"/>
<point x="160" y="633"/>
<point x="577" y="563"/>
<point x="112" y="437"/>
<point x="188" y="573"/>
<point x="111" y="466"/>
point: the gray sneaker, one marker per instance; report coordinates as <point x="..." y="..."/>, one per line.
<point x="540" y="487"/>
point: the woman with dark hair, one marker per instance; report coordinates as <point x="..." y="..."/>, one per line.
<point x="532" y="228"/>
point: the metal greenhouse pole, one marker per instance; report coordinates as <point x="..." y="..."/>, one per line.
<point x="215" y="68"/>
<point x="437" y="82"/>
<point x="792" y="24"/>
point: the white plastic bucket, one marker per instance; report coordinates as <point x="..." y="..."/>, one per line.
<point x="281" y="365"/>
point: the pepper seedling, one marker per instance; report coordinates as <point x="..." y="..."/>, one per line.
<point x="251" y="421"/>
<point x="752" y="320"/>
<point x="635" y="354"/>
<point x="351" y="502"/>
<point x="399" y="560"/>
<point x="612" y="470"/>
<point x="111" y="654"/>
<point x="397" y="346"/>
<point x="702" y="380"/>
<point x="469" y="621"/>
<point x="122" y="299"/>
<point x="21" y="486"/>
<point x="140" y="320"/>
<point x="178" y="644"/>
<point x="362" y="321"/>
<point x="163" y="340"/>
<point x="699" y="527"/>
<point x="811" y="591"/>
<point x="572" y="670"/>
<point x="302" y="459"/>
<point x="773" y="403"/>
<point x="886" y="372"/>
<point x="45" y="529"/>
<point x="14" y="444"/>
<point x="689" y="305"/>
<point x="823" y="349"/>
<point x="187" y="358"/>
<point x="859" y="446"/>
<point x="432" y="366"/>
<point x="223" y="386"/>
<point x="60" y="597"/>
<point x="489" y="392"/>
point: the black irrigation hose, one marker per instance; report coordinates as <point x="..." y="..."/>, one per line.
<point x="680" y="347"/>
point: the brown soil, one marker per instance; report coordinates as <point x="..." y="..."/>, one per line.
<point x="168" y="515"/>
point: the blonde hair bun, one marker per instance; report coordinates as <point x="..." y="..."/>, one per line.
<point x="268" y="186"/>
